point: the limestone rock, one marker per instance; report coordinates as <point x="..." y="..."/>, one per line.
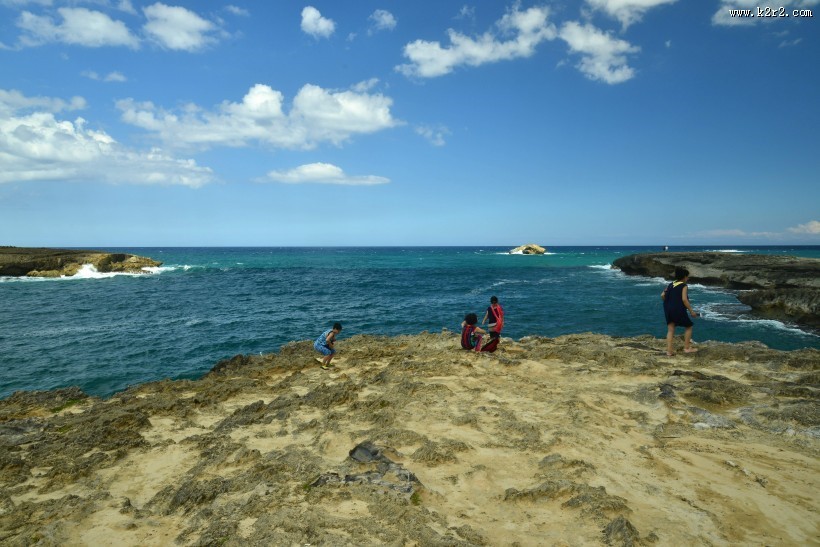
<point x="528" y="249"/>
<point x="784" y="287"/>
<point x="39" y="262"/>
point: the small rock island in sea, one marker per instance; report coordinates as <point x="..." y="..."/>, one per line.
<point x="40" y="262"/>
<point x="780" y="287"/>
<point x="528" y="249"/>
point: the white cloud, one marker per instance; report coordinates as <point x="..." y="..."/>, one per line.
<point x="466" y="12"/>
<point x="177" y="28"/>
<point x="382" y="20"/>
<point x="39" y="147"/>
<point x="811" y="227"/>
<point x="433" y="134"/>
<point x="317" y="115"/>
<point x="323" y="173"/>
<point x="236" y="10"/>
<point x="603" y="57"/>
<point x="314" y="24"/>
<point x="527" y="28"/>
<point x="79" y="26"/>
<point x="19" y="3"/>
<point x="126" y="6"/>
<point x="365" y="85"/>
<point x="110" y="77"/>
<point x="12" y="101"/>
<point x="627" y="11"/>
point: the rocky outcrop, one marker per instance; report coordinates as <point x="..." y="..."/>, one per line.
<point x="583" y="439"/>
<point x="783" y="287"/>
<point x="39" y="262"/>
<point x="528" y="249"/>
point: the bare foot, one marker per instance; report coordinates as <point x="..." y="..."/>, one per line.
<point x="670" y="354"/>
<point x="690" y="350"/>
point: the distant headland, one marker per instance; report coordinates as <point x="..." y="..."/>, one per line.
<point x="42" y="262"/>
<point x="781" y="287"/>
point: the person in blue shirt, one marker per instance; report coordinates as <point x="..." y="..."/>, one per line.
<point x="324" y="345"/>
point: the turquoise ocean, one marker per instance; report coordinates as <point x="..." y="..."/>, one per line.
<point x="105" y="332"/>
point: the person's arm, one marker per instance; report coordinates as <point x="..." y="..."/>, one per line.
<point x="330" y="339"/>
<point x="685" y="298"/>
<point x="663" y="294"/>
<point x="486" y="314"/>
<point x="479" y="330"/>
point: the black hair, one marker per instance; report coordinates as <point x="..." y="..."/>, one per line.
<point x="471" y="319"/>
<point x="680" y="273"/>
<point x="493" y="300"/>
<point x="337" y="326"/>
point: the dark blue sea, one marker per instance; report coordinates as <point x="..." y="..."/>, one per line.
<point x="104" y="332"/>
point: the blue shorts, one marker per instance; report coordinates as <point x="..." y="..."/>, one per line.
<point x="324" y="349"/>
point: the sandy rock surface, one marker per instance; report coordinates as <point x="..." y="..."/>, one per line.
<point x="577" y="440"/>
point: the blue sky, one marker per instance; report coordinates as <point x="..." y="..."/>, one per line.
<point x="597" y="122"/>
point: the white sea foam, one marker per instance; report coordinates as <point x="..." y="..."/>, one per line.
<point x="726" y="251"/>
<point x="158" y="269"/>
<point x="88" y="271"/>
<point x="521" y="253"/>
<point x="602" y="267"/>
<point x="717" y="311"/>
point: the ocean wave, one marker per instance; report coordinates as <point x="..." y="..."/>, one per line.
<point x="602" y="267"/>
<point x="521" y="253"/>
<point x="738" y="313"/>
<point x="726" y="251"/>
<point x="87" y="271"/>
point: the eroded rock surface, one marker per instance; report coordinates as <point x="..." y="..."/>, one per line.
<point x="782" y="287"/>
<point x="38" y="262"/>
<point x="583" y="439"/>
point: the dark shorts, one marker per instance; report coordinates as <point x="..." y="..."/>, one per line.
<point x="679" y="319"/>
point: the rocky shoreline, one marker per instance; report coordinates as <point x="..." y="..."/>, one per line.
<point x="42" y="262"/>
<point x="577" y="440"/>
<point x="778" y="287"/>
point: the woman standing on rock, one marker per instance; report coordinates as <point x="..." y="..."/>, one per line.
<point x="675" y="303"/>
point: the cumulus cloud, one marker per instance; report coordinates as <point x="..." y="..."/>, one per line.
<point x="382" y="20"/>
<point x="314" y="24"/>
<point x="811" y="227"/>
<point x="38" y="146"/>
<point x="603" y="57"/>
<point x="627" y="11"/>
<point x="527" y="30"/>
<point x="323" y="173"/>
<point x="177" y="28"/>
<point x="79" y="26"/>
<point x="316" y="115"/>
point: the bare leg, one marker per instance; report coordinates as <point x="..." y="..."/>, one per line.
<point x="687" y="341"/>
<point x="670" y="338"/>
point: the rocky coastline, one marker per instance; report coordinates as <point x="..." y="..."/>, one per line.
<point x="577" y="440"/>
<point x="43" y="262"/>
<point x="778" y="287"/>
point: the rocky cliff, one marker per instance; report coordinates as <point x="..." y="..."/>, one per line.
<point x="39" y="262"/>
<point x="782" y="287"/>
